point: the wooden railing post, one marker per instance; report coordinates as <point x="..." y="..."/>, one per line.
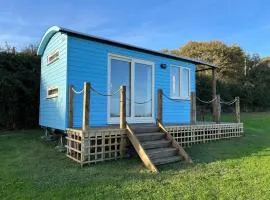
<point x="237" y="109"/>
<point x="123" y="107"/>
<point x="193" y="108"/>
<point x="214" y="91"/>
<point x="218" y="109"/>
<point x="160" y="105"/>
<point x="70" y="106"/>
<point x="86" y="105"/>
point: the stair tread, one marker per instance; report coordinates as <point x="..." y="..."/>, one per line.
<point x="158" y="150"/>
<point x="146" y="129"/>
<point x="156" y="142"/>
<point x="165" y="160"/>
<point x="154" y="133"/>
<point x="143" y="137"/>
<point x="153" y="144"/>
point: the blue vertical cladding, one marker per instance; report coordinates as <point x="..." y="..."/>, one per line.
<point x="88" y="61"/>
<point x="53" y="110"/>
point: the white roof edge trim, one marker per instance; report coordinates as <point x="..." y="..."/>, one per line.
<point x="45" y="39"/>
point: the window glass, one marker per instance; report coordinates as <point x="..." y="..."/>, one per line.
<point x="143" y="90"/>
<point x="180" y="82"/>
<point x="185" y="83"/>
<point x="175" y="86"/>
<point x="52" y="92"/>
<point x="53" y="57"/>
<point x="120" y="75"/>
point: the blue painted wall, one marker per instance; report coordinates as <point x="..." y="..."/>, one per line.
<point x="53" y="111"/>
<point x="88" y="61"/>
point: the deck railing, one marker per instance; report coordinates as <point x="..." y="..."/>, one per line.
<point x="216" y="102"/>
<point x="91" y="145"/>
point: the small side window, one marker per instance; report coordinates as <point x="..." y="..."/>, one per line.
<point x="53" y="57"/>
<point x="52" y="92"/>
<point x="180" y="82"/>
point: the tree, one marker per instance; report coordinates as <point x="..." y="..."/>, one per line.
<point x="238" y="74"/>
<point x="31" y="49"/>
<point x="19" y="89"/>
<point x="230" y="60"/>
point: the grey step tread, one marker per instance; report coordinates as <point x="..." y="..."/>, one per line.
<point x="149" y="133"/>
<point x="156" y="144"/>
<point x="161" y="152"/>
<point x="150" y="136"/>
<point x="166" y="160"/>
<point x="145" y="129"/>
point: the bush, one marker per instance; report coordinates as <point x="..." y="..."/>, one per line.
<point x="19" y="90"/>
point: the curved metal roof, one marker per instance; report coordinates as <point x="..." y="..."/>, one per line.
<point x="46" y="38"/>
<point x="54" y="29"/>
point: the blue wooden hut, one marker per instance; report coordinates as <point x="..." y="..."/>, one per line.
<point x="155" y="106"/>
<point x="71" y="58"/>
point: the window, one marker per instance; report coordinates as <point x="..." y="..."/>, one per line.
<point x="180" y="82"/>
<point x="120" y="68"/>
<point x="52" y="92"/>
<point x="53" y="57"/>
<point x="138" y="77"/>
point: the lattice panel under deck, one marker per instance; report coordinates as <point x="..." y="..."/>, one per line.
<point x="74" y="140"/>
<point x="188" y="135"/>
<point x="97" y="145"/>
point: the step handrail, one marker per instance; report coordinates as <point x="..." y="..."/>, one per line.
<point x="140" y="150"/>
<point x="175" y="144"/>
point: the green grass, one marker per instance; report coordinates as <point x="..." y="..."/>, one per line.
<point x="229" y="169"/>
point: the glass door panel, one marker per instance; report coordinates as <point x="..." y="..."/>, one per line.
<point x="143" y="90"/>
<point x="120" y="75"/>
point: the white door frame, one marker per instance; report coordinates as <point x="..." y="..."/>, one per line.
<point x="132" y="118"/>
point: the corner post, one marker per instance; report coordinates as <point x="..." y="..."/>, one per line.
<point x="160" y="105"/>
<point x="86" y="105"/>
<point x="237" y="109"/>
<point x="123" y="107"/>
<point x="193" y="108"/>
<point x="214" y="94"/>
<point x="218" y="109"/>
<point x="70" y="106"/>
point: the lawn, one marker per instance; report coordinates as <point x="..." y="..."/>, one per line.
<point x="229" y="169"/>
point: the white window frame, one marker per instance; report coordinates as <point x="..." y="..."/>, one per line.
<point x="52" y="95"/>
<point x="52" y="54"/>
<point x="132" y="118"/>
<point x="181" y="97"/>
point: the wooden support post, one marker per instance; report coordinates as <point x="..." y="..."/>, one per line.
<point x="218" y="108"/>
<point x="70" y="106"/>
<point x="86" y="105"/>
<point x="123" y="107"/>
<point x="237" y="109"/>
<point x="214" y="94"/>
<point x="193" y="108"/>
<point x="160" y="105"/>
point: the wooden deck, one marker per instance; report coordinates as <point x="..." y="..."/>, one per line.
<point x="100" y="144"/>
<point x="91" y="145"/>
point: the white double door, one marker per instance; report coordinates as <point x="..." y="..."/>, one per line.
<point x="138" y="77"/>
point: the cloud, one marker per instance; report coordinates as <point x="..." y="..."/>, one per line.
<point x="143" y="35"/>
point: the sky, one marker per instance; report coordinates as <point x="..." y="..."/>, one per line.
<point x="157" y="24"/>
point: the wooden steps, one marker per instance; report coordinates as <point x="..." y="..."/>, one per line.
<point x="154" y="145"/>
